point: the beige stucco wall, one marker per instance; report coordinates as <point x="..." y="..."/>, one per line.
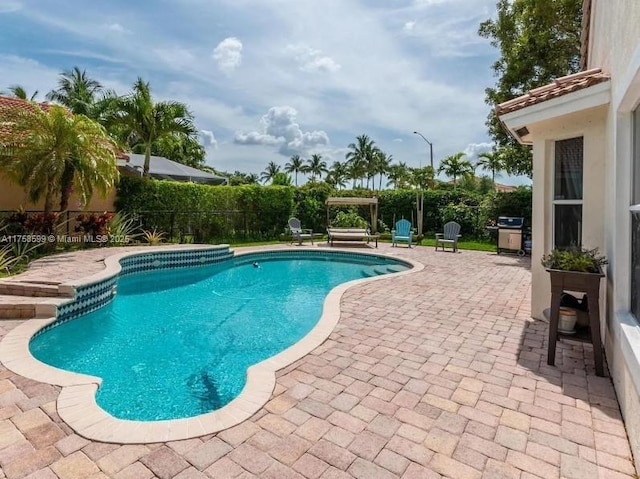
<point x="589" y="124"/>
<point x="615" y="47"/>
<point x="13" y="196"/>
<point x="615" y="35"/>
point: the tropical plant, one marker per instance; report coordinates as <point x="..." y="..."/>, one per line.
<point x="17" y="91"/>
<point x="316" y="166"/>
<point x="359" y="157"/>
<point x="123" y="228"/>
<point x="93" y="224"/>
<point x="337" y="175"/>
<point x="349" y="219"/>
<point x="454" y="166"/>
<point x="295" y="166"/>
<point x="422" y="178"/>
<point x="381" y="165"/>
<point x="153" y="237"/>
<point x="281" y="179"/>
<point x="538" y="40"/>
<point x="137" y="118"/>
<point x="51" y="151"/>
<point x="399" y="176"/>
<point x="575" y="259"/>
<point x="76" y="91"/>
<point x="7" y="260"/>
<point x="270" y="172"/>
<point x="491" y="161"/>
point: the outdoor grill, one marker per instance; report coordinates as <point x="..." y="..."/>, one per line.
<point x="510" y="234"/>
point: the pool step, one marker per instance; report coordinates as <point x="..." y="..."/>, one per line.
<point x="379" y="269"/>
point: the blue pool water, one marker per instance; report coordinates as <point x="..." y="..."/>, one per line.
<point x="177" y="343"/>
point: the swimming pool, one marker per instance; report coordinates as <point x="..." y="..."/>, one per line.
<point x="177" y="343"/>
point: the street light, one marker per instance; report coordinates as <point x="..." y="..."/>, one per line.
<point x="430" y="147"/>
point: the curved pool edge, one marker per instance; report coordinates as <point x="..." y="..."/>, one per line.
<point x="76" y="403"/>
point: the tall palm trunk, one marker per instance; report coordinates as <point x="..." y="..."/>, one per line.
<point x="147" y="160"/>
<point x="66" y="182"/>
<point x="48" y="200"/>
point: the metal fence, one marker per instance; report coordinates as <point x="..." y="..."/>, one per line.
<point x="183" y="227"/>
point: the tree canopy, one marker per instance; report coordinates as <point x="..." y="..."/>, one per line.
<point x="538" y="40"/>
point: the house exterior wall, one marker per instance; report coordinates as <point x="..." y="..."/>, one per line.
<point x="13" y="196"/>
<point x="615" y="46"/>
<point x="590" y="125"/>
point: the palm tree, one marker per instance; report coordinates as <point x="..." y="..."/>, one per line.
<point x="455" y="166"/>
<point x="422" y="178"/>
<point x="49" y="151"/>
<point x="357" y="159"/>
<point x="76" y="91"/>
<point x="316" y="166"/>
<point x="144" y="121"/>
<point x="17" y="91"/>
<point x="337" y="175"/>
<point x="381" y="165"/>
<point x="491" y="161"/>
<point x="270" y="172"/>
<point x="295" y="166"/>
<point x="398" y="175"/>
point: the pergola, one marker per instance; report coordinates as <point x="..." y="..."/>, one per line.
<point x="349" y="201"/>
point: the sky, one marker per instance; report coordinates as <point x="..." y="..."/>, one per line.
<point x="269" y="79"/>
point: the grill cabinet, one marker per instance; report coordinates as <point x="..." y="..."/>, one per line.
<point x="510" y="234"/>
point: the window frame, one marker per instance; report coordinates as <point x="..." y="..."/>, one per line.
<point x="634" y="208"/>
<point x="555" y="202"/>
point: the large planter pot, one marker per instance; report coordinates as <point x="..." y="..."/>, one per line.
<point x="575" y="280"/>
<point x="588" y="283"/>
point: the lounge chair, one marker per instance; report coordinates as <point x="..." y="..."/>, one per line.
<point x="449" y="237"/>
<point x="350" y="234"/>
<point x="401" y="232"/>
<point x="298" y="233"/>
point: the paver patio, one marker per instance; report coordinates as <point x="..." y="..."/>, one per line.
<point x="441" y="373"/>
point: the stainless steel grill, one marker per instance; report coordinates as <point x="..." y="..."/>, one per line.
<point x="510" y="234"/>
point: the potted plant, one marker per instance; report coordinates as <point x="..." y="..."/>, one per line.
<point x="575" y="268"/>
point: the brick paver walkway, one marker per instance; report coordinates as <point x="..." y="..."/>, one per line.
<point x="441" y="373"/>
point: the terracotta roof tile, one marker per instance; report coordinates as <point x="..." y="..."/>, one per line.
<point x="557" y="88"/>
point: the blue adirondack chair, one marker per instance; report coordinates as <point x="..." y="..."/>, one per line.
<point x="401" y="232"/>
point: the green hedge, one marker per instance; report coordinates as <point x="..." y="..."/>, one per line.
<point x="206" y="212"/>
<point x="220" y="213"/>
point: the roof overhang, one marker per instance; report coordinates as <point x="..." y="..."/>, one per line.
<point x="519" y="121"/>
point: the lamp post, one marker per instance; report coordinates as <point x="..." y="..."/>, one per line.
<point x="430" y="147"/>
<point x="420" y="193"/>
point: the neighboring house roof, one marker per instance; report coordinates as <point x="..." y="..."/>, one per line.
<point x="163" y="168"/>
<point x="7" y="102"/>
<point x="557" y="88"/>
<point x="505" y="188"/>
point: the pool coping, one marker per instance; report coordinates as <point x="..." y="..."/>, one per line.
<point x="76" y="403"/>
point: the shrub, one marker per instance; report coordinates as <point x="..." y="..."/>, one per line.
<point x="349" y="220"/>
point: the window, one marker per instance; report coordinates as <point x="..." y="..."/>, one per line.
<point x="567" y="193"/>
<point x="635" y="217"/>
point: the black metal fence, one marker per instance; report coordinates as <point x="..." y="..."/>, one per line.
<point x="183" y="227"/>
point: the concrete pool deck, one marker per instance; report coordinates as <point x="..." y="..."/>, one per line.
<point x="432" y="374"/>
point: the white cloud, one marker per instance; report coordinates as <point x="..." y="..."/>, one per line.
<point x="116" y="27"/>
<point x="409" y="26"/>
<point x="312" y="60"/>
<point x="9" y="6"/>
<point x="208" y="139"/>
<point x="280" y="127"/>
<point x="474" y="149"/>
<point x="228" y="54"/>
<point x="175" y="56"/>
<point x="397" y="140"/>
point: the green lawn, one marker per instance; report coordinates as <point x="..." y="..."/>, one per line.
<point x="478" y="245"/>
